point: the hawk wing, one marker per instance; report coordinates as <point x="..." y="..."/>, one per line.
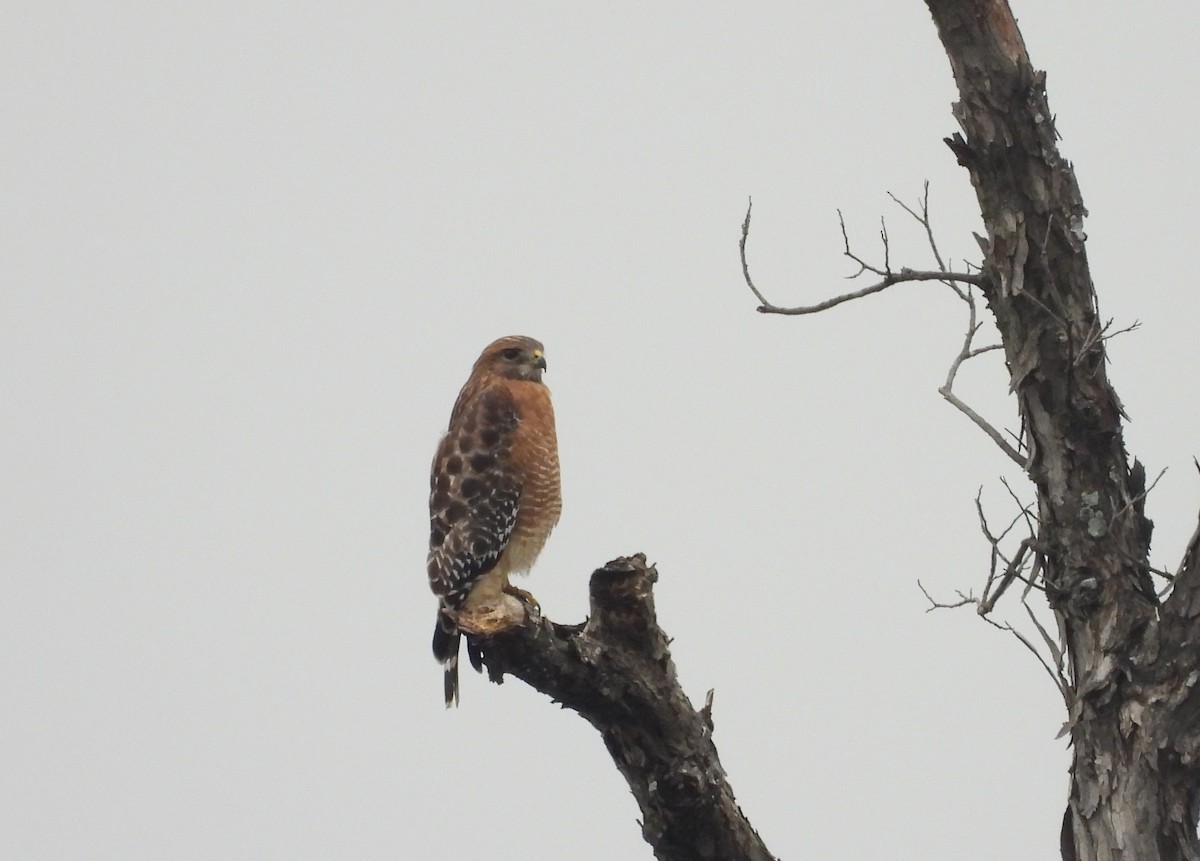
<point x="474" y="494"/>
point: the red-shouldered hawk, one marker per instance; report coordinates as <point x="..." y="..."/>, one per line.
<point x="494" y="492"/>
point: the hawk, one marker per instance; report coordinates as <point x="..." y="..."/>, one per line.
<point x="494" y="491"/>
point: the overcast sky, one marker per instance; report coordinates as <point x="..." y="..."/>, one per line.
<point x="249" y="252"/>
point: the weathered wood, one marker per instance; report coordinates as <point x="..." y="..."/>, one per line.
<point x="616" y="671"/>
<point x="1134" y="710"/>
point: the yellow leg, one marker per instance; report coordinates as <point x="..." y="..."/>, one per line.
<point x="521" y="594"/>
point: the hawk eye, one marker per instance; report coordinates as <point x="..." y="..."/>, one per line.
<point x="512" y="353"/>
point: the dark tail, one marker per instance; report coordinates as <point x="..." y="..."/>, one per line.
<point x="446" y="638"/>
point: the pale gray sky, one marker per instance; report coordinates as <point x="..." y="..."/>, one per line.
<point x="249" y="252"/>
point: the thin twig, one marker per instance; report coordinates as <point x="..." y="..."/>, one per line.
<point x="983" y="425"/>
<point x="924" y="221"/>
<point x="983" y="525"/>
<point x="947" y="390"/>
<point x="1059" y="682"/>
<point x="1099" y="334"/>
<point x="1034" y="572"/>
<point x="904" y="275"/>
<point x="742" y="246"/>
<point x="1135" y="500"/>
<point x="1057" y="650"/>
<point x="1132" y="327"/>
<point x="888" y="277"/>
<point x="962" y="601"/>
<point x="1011" y="573"/>
<point x="863" y="266"/>
<point x="887" y="254"/>
<point x="1024" y="508"/>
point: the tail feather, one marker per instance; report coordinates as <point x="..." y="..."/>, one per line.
<point x="474" y="655"/>
<point x="450" y="681"/>
<point x="446" y="639"/>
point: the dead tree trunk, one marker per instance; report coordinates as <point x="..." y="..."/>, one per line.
<point x="616" y="671"/>
<point x="1132" y="661"/>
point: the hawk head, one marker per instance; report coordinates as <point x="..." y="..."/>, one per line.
<point x="515" y="357"/>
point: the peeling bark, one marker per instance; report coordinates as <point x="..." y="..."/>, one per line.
<point x="1133" y="664"/>
<point x="616" y="671"/>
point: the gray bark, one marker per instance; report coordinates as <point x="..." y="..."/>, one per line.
<point x="1132" y="660"/>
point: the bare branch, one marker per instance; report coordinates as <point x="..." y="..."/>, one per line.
<point x="983" y="525"/>
<point x="1132" y="327"/>
<point x="1034" y="572"/>
<point x="887" y="255"/>
<point x="1059" y="681"/>
<point x="742" y="248"/>
<point x="1057" y="649"/>
<point x="968" y="352"/>
<point x="863" y="266"/>
<point x="1011" y="571"/>
<point x="1024" y="508"/>
<point x="962" y="601"/>
<point x="984" y="606"/>
<point x="923" y="219"/>
<point x="1013" y="567"/>
<point x="1055" y="672"/>
<point x="890" y="280"/>
<point x="888" y="277"/>
<point x="1100" y="334"/>
<point x="983" y="425"/>
<point x="1132" y="503"/>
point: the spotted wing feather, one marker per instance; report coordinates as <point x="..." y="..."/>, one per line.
<point x="474" y="495"/>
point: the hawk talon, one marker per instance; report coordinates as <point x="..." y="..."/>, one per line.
<point x="523" y="596"/>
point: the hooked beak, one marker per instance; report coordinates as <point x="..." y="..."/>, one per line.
<point x="539" y="361"/>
